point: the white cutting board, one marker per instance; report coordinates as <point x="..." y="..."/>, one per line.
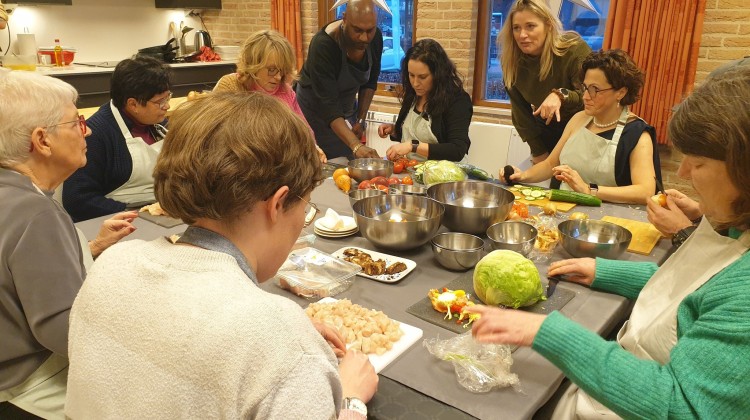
<point x="411" y="335"/>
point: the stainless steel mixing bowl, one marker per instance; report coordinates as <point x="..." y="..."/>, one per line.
<point x="368" y="168"/>
<point x="398" y="222"/>
<point x="512" y="235"/>
<point x="472" y="206"/>
<point x="356" y="195"/>
<point x="594" y="238"/>
<point x="408" y="189"/>
<point x="457" y="251"/>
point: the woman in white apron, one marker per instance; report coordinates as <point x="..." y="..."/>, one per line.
<point x="435" y="110"/>
<point x="683" y="353"/>
<point x="605" y="150"/>
<point x="125" y="143"/>
<point x="43" y="257"/>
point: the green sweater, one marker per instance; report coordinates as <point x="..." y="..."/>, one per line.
<point x="708" y="375"/>
<point x="528" y="89"/>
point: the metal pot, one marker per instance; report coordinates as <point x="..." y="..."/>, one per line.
<point x="202" y="38"/>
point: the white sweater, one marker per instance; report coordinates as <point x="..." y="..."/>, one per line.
<point x="173" y="331"/>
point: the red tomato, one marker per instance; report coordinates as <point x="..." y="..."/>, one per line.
<point x="382" y="188"/>
<point x="407" y="180"/>
<point x="521" y="209"/>
<point x="393" y="180"/>
<point x="365" y="185"/>
<point x="379" y="180"/>
<point x="398" y="167"/>
<point x="412" y="163"/>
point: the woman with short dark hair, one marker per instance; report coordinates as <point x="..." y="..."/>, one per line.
<point x="605" y="150"/>
<point x="435" y="109"/>
<point x="126" y="140"/>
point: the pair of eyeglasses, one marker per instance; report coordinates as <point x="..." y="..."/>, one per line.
<point x="163" y="103"/>
<point x="273" y="71"/>
<point x="81" y="120"/>
<point x="311" y="210"/>
<point x="593" y="90"/>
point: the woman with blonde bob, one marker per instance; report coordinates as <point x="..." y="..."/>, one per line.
<point x="266" y="64"/>
<point x="684" y="351"/>
<point x="540" y="65"/>
<point x="215" y="345"/>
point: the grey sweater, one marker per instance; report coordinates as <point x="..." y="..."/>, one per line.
<point x="173" y="331"/>
<point x="40" y="274"/>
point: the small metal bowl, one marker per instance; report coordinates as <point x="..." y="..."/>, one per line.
<point x="408" y="189"/>
<point x="457" y="251"/>
<point x="356" y="195"/>
<point x="513" y="235"/>
<point x="368" y="168"/>
<point x="594" y="238"/>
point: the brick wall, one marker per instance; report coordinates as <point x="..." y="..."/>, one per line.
<point x="726" y="36"/>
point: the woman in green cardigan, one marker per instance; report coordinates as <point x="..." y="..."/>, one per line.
<point x="684" y="351"/>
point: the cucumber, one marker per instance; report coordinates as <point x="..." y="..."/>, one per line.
<point x="536" y="193"/>
<point x="474" y="172"/>
<point x="574" y="197"/>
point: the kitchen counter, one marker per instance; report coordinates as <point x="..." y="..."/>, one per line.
<point x="93" y="83"/>
<point x="109" y="67"/>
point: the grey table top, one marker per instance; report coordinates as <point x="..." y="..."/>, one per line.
<point x="416" y="368"/>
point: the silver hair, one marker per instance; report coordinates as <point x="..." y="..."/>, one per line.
<point x="28" y="101"/>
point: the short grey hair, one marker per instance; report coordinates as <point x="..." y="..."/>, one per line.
<point x="29" y="100"/>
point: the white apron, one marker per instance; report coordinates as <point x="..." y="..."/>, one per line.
<point x="584" y="148"/>
<point x="139" y="188"/>
<point x="651" y="331"/>
<point x="415" y="127"/>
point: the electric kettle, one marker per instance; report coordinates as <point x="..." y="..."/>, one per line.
<point x="202" y="38"/>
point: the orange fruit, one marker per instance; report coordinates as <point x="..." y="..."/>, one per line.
<point x="340" y="171"/>
<point x="344" y="182"/>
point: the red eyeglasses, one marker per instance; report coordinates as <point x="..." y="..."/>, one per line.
<point x="81" y="120"/>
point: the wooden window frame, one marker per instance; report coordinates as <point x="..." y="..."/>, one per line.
<point x="482" y="56"/>
<point x="325" y="14"/>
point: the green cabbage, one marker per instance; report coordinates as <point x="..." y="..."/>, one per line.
<point x="443" y="171"/>
<point x="507" y="278"/>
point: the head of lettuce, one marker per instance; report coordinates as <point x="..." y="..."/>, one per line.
<point x="507" y="278"/>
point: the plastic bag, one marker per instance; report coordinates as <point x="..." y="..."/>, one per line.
<point x="547" y="237"/>
<point x="443" y="171"/>
<point x="479" y="367"/>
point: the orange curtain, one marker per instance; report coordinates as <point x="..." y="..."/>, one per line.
<point x="286" y="18"/>
<point x="663" y="38"/>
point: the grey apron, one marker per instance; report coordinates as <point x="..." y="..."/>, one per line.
<point x="350" y="80"/>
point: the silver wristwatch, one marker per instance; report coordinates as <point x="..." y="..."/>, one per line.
<point x="355" y="404"/>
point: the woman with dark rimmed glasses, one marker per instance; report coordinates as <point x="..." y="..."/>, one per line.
<point x="43" y="257"/>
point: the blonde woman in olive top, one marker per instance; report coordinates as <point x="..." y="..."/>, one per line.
<point x="540" y="67"/>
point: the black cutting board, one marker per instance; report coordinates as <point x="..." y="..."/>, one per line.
<point x="165" y="221"/>
<point x="423" y="309"/>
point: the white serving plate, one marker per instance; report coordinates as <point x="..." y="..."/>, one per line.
<point x="348" y="221"/>
<point x="411" y="335"/>
<point x="389" y="259"/>
<point x="327" y="234"/>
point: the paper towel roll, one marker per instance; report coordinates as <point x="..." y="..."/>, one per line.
<point x="26" y="44"/>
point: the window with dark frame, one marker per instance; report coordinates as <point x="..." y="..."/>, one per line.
<point x="398" y="37"/>
<point x="489" y="89"/>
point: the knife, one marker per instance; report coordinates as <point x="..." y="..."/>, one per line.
<point x="659" y="185"/>
<point x="552" y="284"/>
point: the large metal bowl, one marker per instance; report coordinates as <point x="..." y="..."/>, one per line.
<point x="356" y="195"/>
<point x="368" y="168"/>
<point x="512" y="235"/>
<point x="594" y="238"/>
<point x="472" y="206"/>
<point x="457" y="251"/>
<point x="377" y="218"/>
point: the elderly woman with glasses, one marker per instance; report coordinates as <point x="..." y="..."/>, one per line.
<point x="126" y="140"/>
<point x="176" y="330"/>
<point x="266" y="64"/>
<point x="605" y="150"/>
<point x="43" y="257"/>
